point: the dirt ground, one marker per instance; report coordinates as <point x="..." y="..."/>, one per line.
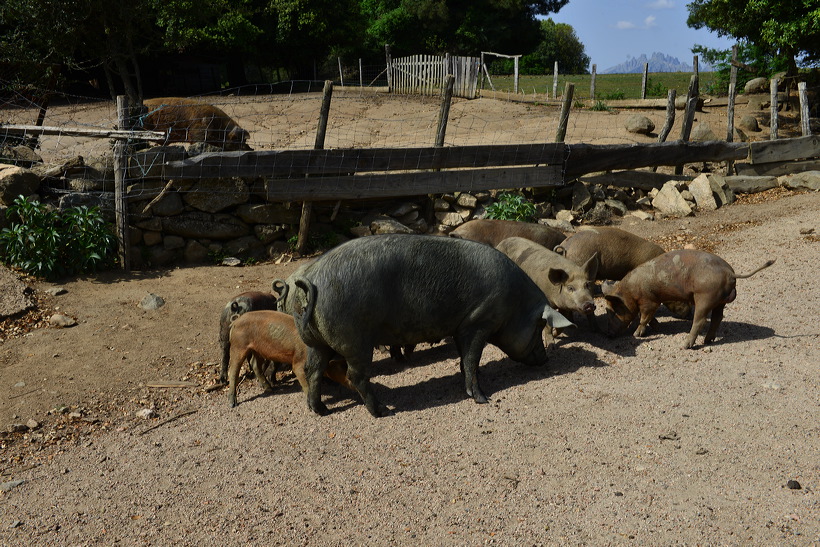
<point x="615" y="441"/>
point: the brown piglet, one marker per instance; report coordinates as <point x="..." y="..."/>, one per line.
<point x="694" y="277"/>
<point x="270" y="335"/>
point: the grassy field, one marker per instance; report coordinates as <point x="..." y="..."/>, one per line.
<point x="607" y="86"/>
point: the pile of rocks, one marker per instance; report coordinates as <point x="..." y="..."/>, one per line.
<point x="205" y="220"/>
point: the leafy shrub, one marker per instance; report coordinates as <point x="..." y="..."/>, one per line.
<point x="56" y="242"/>
<point x="600" y="106"/>
<point x="655" y="89"/>
<point x="512" y="207"/>
<point x="616" y="95"/>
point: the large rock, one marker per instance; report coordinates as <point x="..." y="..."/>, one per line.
<point x="449" y="219"/>
<point x="720" y="189"/>
<point x="204" y="226"/>
<point x="637" y="123"/>
<point x="170" y="205"/>
<point x="389" y="226"/>
<point x="750" y="185"/>
<point x="20" y="155"/>
<point x="581" y="198"/>
<point x="669" y="202"/>
<point x="756" y="85"/>
<point x="269" y="213"/>
<point x="808" y="180"/>
<point x="16" y="181"/>
<point x="105" y="203"/>
<point x="214" y="195"/>
<point x="703" y="133"/>
<point x="701" y="190"/>
<point x="749" y="123"/>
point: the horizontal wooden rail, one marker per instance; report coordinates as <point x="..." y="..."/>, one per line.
<point x="82" y="132"/>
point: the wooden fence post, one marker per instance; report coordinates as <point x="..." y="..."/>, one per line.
<point x="689" y="114"/>
<point x="555" y="81"/>
<point x="120" y="171"/>
<point x="361" y="77"/>
<point x="515" y="69"/>
<point x="563" y="121"/>
<point x="304" y="221"/>
<point x="644" y="80"/>
<point x="730" y="110"/>
<point x="805" y="126"/>
<point x="444" y="110"/>
<point x="773" y="111"/>
<point x="592" y="82"/>
<point x="389" y="62"/>
<point x="341" y="74"/>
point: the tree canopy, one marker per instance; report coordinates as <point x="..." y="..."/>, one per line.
<point x="558" y="43"/>
<point x="117" y="38"/>
<point x="787" y="29"/>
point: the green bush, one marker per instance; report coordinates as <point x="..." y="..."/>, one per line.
<point x="600" y="106"/>
<point x="512" y="207"/>
<point x="56" y="242"/>
<point x="616" y="95"/>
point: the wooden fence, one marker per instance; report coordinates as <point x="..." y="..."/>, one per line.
<point x="425" y="74"/>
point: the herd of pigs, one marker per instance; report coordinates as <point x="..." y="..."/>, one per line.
<point x="493" y="281"/>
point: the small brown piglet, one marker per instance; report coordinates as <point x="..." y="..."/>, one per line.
<point x="239" y="305"/>
<point x="695" y="277"/>
<point x="272" y="336"/>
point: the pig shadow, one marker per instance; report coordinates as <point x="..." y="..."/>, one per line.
<point x="494" y="377"/>
<point x="730" y="332"/>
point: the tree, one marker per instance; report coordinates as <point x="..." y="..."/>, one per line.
<point x="455" y="26"/>
<point x="558" y="43"/>
<point x="787" y="29"/>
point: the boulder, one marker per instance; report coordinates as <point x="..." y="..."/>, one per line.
<point x="701" y="190"/>
<point x="170" y="205"/>
<point x="450" y="219"/>
<point x="269" y="213"/>
<point x="195" y="253"/>
<point x="467" y="200"/>
<point x="389" y="226"/>
<point x="756" y="85"/>
<point x="16" y="181"/>
<point x="581" y="198"/>
<point x="702" y="133"/>
<point x="639" y="124"/>
<point x="20" y="155"/>
<point x="204" y="226"/>
<point x="751" y="184"/>
<point x="214" y="195"/>
<point x="808" y="180"/>
<point x="749" y="123"/>
<point x="669" y="202"/>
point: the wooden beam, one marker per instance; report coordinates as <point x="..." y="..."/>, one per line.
<point x="785" y="149"/>
<point x="294" y="163"/>
<point x="589" y="158"/>
<point x="777" y="168"/>
<point x="81" y="132"/>
<point x="411" y="184"/>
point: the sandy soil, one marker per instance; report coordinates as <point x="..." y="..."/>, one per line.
<point x="616" y="441"/>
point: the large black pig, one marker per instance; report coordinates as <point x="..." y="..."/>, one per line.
<point x="399" y="290"/>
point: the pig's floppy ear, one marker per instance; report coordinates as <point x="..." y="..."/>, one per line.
<point x="557" y="276"/>
<point x="617" y="304"/>
<point x="555" y="319"/>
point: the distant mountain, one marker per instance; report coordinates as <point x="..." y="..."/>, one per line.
<point x="657" y="63"/>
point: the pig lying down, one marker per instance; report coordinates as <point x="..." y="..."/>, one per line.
<point x="268" y="335"/>
<point x="694" y="277"/>
<point x="191" y="120"/>
<point x="398" y="290"/>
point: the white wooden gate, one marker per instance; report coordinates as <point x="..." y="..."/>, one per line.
<point x="424" y="74"/>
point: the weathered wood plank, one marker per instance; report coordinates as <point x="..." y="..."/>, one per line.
<point x="588" y="158"/>
<point x="777" y="168"/>
<point x="410" y="184"/>
<point x="290" y="163"/>
<point x="82" y="132"/>
<point x="785" y="149"/>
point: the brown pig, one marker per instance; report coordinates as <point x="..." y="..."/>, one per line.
<point x="192" y="120"/>
<point x="272" y="336"/>
<point x="239" y="305"/>
<point x="492" y="232"/>
<point x="694" y="277"/>
<point x="567" y="286"/>
<point x="619" y="251"/>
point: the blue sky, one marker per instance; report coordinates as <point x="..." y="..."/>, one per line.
<point x="613" y="31"/>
